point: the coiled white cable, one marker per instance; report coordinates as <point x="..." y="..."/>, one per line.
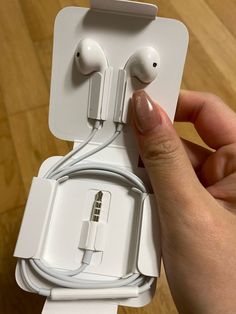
<point x="67" y="279"/>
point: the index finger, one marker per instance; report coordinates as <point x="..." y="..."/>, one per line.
<point x="214" y="121"/>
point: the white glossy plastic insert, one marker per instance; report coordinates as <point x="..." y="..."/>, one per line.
<point x="57" y="234"/>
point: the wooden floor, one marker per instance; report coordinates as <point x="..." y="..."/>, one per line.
<point x="26" y="29"/>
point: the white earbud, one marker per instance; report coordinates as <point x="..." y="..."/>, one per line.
<point x="91" y="60"/>
<point x="90" y="57"/>
<point x="144" y="64"/>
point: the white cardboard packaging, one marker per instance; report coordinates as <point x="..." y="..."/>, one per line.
<point x="56" y="218"/>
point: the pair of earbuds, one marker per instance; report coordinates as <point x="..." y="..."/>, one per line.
<point x="91" y="60"/>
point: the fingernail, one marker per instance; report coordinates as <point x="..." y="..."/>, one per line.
<point x="146" y="114"/>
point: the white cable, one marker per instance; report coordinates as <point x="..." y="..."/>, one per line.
<point x="98" y="167"/>
<point x="77" y="283"/>
<point x="67" y="279"/>
<point x="74" y="151"/>
<point x="34" y="287"/>
<point x="90" y="153"/>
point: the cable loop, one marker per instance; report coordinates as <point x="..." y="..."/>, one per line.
<point x="68" y="279"/>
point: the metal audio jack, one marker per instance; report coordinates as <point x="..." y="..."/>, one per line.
<point x="97" y="205"/>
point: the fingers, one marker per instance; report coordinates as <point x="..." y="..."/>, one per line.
<point x="224" y="191"/>
<point x="214" y="121"/>
<point x="219" y="165"/>
<point x="169" y="168"/>
<point x="196" y="153"/>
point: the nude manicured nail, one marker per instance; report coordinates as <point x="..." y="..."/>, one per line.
<point x="146" y="113"/>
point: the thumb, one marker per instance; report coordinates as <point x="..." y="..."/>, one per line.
<point x="171" y="173"/>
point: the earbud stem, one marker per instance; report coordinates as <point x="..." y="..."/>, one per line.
<point x="99" y="94"/>
<point x="120" y="94"/>
<point x="125" y="87"/>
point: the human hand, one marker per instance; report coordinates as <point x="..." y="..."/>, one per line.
<point x="195" y="190"/>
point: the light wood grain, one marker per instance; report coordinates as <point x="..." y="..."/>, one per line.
<point x="26" y="29"/>
<point x="22" y="81"/>
<point x="81" y="3"/>
<point x="39" y="17"/>
<point x="12" y="299"/>
<point x="212" y="34"/>
<point x="11" y="186"/>
<point x="33" y="141"/>
<point x="43" y="49"/>
<point x="225" y="12"/>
